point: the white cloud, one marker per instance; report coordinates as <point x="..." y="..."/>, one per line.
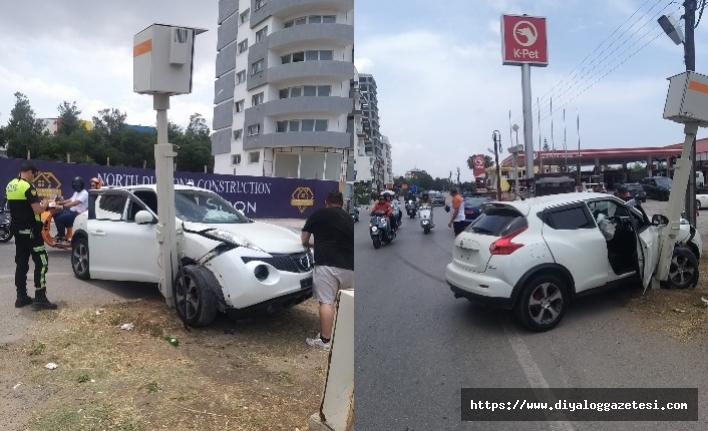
<point x="364" y="65"/>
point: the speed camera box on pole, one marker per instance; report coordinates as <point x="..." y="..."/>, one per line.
<point x="163" y="59"/>
<point x="687" y="100"/>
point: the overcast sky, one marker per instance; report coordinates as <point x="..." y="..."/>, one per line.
<point x="81" y="50"/>
<point x="443" y="90"/>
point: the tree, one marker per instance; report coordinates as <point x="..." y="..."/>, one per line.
<point x="545" y="145"/>
<point x="488" y="161"/>
<point x="197" y="126"/>
<point x="23" y="131"/>
<point x="109" y="123"/>
<point x="458" y="175"/>
<point x="68" y="118"/>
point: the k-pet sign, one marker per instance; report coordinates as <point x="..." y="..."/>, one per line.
<point x="524" y="40"/>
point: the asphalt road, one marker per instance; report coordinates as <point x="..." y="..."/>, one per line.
<point x="416" y="345"/>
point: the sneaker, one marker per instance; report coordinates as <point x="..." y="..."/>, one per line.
<point x="42" y="303"/>
<point x="59" y="240"/>
<point x="317" y="342"/>
<point x="21" y="301"/>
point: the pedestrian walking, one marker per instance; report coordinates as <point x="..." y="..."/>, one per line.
<point x="333" y="231"/>
<point x="457" y="221"/>
<point x="25" y="209"/>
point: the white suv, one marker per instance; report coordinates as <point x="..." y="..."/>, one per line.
<point x="534" y="256"/>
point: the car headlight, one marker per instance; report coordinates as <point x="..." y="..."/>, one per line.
<point x="231" y="238"/>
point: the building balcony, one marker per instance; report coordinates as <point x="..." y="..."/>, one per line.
<point x="293" y="105"/>
<point x="298" y="139"/>
<point x="326" y="69"/>
<point x="284" y="8"/>
<point x="339" y="35"/>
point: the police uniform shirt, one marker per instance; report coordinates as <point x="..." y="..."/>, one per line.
<point x="21" y="194"/>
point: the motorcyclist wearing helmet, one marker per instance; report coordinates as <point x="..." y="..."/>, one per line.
<point x="425" y="201"/>
<point x="70" y="208"/>
<point x="95" y="183"/>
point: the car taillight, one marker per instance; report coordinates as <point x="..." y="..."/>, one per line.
<point x="504" y="246"/>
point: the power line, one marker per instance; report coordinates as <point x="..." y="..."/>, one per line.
<point x="637" y="31"/>
<point x="571" y="85"/>
<point x="543" y="98"/>
<point x="611" y="70"/>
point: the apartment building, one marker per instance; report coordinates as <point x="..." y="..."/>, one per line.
<point x="388" y="160"/>
<point x="373" y="144"/>
<point x="283" y="91"/>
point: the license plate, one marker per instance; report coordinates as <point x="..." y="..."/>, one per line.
<point x="306" y="283"/>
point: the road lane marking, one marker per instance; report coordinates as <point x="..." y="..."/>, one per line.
<point x="532" y="371"/>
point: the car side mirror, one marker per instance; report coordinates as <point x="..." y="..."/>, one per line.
<point x="659" y="220"/>
<point x="144" y="217"/>
<point x="447" y="208"/>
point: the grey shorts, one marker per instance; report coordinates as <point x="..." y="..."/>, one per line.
<point x="328" y="280"/>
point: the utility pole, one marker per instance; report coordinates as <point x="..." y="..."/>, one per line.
<point x="690" y="7"/>
<point x="496" y="137"/>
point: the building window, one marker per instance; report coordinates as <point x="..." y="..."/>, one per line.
<point x="260" y="4"/>
<point x="244" y="17"/>
<point x="238" y="134"/>
<point x="314" y="19"/>
<point x="254" y="157"/>
<point x="254" y="129"/>
<point x="307" y="90"/>
<point x="243" y="46"/>
<point x="257" y="67"/>
<point x="302" y="126"/>
<point x="296" y="57"/>
<point x="241" y="77"/>
<point x="236" y="159"/>
<point x="260" y="34"/>
<point x="257" y="99"/>
<point x="239" y="106"/>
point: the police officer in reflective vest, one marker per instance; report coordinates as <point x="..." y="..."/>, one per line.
<point x="25" y="209"/>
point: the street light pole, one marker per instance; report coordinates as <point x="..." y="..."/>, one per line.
<point x="690" y="59"/>
<point x="496" y="137"/>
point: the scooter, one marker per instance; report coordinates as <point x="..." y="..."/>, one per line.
<point x="380" y="230"/>
<point x="5" y="232"/>
<point x="411" y="208"/>
<point x="426" y="218"/>
<point x="46" y="218"/>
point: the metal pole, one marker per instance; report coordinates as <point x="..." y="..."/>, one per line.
<point x="164" y="173"/>
<point x="496" y="137"/>
<point x="528" y="120"/>
<point x="540" y="144"/>
<point x="690" y="59"/>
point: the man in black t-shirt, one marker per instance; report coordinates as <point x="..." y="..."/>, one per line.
<point x="333" y="229"/>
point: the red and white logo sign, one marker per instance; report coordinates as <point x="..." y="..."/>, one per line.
<point x="524" y="40"/>
<point x="478" y="165"/>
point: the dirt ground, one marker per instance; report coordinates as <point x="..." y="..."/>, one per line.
<point x="258" y="375"/>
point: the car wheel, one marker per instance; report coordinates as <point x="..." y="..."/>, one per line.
<point x="80" y="258"/>
<point x="194" y="297"/>
<point x="542" y="303"/>
<point x="5" y="234"/>
<point x="683" y="271"/>
<point x="698" y="205"/>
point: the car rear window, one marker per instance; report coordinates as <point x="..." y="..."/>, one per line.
<point x="498" y="222"/>
<point x="473" y="202"/>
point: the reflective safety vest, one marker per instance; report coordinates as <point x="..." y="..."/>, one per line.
<point x="16" y="192"/>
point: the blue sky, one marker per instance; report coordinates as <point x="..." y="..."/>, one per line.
<point x="442" y="88"/>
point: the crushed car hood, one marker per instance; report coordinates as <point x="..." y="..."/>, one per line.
<point x="269" y="237"/>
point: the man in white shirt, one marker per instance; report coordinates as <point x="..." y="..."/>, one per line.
<point x="70" y="208"/>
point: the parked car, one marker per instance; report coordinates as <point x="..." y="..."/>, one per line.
<point x="657" y="187"/>
<point x="228" y="262"/>
<point x="438" y="199"/>
<point x="701" y="197"/>
<point x="535" y="256"/>
<point x="473" y="207"/>
<point x="636" y="191"/>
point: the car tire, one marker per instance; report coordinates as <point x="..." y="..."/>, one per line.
<point x="698" y="204"/>
<point x="555" y="289"/>
<point x="5" y="234"/>
<point x="196" y="281"/>
<point x="80" y="258"/>
<point x="684" y="270"/>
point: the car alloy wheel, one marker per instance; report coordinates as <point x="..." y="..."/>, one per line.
<point x="193" y="294"/>
<point x="542" y="303"/>
<point x="80" y="258"/>
<point x="683" y="271"/>
<point x="5" y="234"/>
<point x="698" y="205"/>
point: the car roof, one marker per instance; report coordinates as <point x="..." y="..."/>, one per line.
<point x="540" y="202"/>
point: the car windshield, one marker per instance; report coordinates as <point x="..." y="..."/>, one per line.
<point x="204" y="207"/>
<point x="475" y="201"/>
<point x="663" y="181"/>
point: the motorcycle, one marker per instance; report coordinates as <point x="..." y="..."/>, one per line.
<point x="5" y="232"/>
<point x="426" y="218"/>
<point x="411" y="208"/>
<point x="380" y="230"/>
<point x="46" y="218"/>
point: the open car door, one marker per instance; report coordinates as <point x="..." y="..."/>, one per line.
<point x="648" y="253"/>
